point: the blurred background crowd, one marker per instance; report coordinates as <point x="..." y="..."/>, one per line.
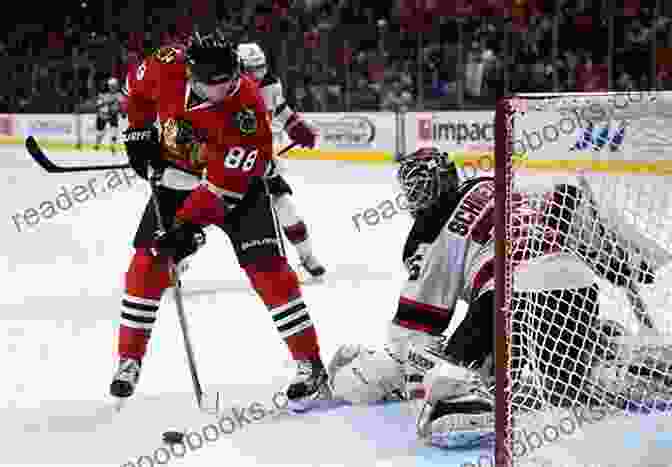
<point x="352" y="55"/>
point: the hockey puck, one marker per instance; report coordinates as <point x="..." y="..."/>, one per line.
<point x="173" y="437"/>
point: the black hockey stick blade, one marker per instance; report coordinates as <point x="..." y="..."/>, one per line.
<point x="41" y="158"/>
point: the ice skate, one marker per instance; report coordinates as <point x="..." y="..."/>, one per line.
<point x="312" y="268"/>
<point x="125" y="379"/>
<point x="310" y="386"/>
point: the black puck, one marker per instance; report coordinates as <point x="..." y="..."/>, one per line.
<point x="173" y="437"/>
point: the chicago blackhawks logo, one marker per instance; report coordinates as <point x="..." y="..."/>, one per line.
<point x="246" y="121"/>
<point x="166" y="55"/>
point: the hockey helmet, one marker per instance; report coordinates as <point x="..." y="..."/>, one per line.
<point x="113" y="84"/>
<point x="424" y="175"/>
<point x="214" y="64"/>
<point x="253" y="59"/>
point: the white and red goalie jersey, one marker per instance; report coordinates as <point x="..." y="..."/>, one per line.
<point x="558" y="241"/>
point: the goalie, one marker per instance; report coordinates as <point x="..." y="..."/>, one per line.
<point x="450" y="255"/>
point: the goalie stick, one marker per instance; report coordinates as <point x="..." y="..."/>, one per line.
<point x="43" y="161"/>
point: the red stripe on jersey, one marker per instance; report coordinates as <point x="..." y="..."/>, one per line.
<point x="425" y="306"/>
<point x="486" y="273"/>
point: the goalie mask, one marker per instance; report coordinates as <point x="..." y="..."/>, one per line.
<point x="424" y="175"/>
<point x="214" y="66"/>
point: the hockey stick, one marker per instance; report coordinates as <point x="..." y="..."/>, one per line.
<point x="154" y="181"/>
<point x="287" y="148"/>
<point x="41" y="158"/>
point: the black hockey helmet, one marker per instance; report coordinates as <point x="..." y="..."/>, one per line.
<point x="423" y="175"/>
<point x="213" y="58"/>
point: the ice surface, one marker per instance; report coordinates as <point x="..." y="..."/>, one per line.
<point x="62" y="281"/>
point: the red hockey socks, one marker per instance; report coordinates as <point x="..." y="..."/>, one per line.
<point x="146" y="279"/>
<point x="277" y="285"/>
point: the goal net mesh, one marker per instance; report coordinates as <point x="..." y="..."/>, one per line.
<point x="586" y="279"/>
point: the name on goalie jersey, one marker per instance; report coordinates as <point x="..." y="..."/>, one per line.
<point x="475" y="206"/>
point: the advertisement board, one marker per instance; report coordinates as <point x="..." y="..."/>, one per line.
<point x="351" y="136"/>
<point x="7" y="126"/>
<point x="450" y="131"/>
<point x="61" y="128"/>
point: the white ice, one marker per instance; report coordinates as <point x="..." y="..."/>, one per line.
<point x="62" y="279"/>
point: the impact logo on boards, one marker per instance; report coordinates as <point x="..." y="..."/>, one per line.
<point x="461" y="132"/>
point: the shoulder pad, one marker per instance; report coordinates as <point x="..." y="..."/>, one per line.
<point x="269" y="80"/>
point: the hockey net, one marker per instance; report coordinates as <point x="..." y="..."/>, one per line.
<point x="585" y="272"/>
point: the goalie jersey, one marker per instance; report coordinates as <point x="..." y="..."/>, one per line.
<point x="449" y="255"/>
<point x="556" y="244"/>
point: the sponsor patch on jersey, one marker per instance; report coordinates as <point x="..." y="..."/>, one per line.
<point x="246" y="121"/>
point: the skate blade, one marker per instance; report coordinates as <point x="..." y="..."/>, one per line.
<point x="119" y="403"/>
<point x="306" y="278"/>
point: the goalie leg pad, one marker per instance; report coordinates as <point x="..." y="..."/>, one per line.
<point x="459" y="410"/>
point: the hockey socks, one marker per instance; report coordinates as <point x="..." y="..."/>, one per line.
<point x="293" y="226"/>
<point x="278" y="287"/>
<point x="146" y="279"/>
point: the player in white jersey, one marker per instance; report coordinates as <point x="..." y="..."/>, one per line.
<point x="108" y="110"/>
<point x="254" y="63"/>
<point x="450" y="256"/>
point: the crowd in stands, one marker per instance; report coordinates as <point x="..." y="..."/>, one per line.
<point x="339" y="55"/>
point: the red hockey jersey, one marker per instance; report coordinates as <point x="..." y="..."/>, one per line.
<point x="234" y="138"/>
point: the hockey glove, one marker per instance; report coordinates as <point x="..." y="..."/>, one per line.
<point x="143" y="149"/>
<point x="180" y="241"/>
<point x="299" y="131"/>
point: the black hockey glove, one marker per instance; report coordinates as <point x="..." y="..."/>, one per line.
<point x="180" y="241"/>
<point x="144" y="150"/>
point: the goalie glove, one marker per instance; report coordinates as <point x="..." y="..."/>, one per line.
<point x="365" y="376"/>
<point x="299" y="131"/>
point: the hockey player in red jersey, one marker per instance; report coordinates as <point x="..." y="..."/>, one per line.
<point x="254" y="64"/>
<point x="212" y="122"/>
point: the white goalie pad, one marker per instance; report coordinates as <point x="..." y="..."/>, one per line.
<point x="364" y="376"/>
<point x="458" y="410"/>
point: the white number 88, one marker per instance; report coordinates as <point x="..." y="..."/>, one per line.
<point x="238" y="157"/>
